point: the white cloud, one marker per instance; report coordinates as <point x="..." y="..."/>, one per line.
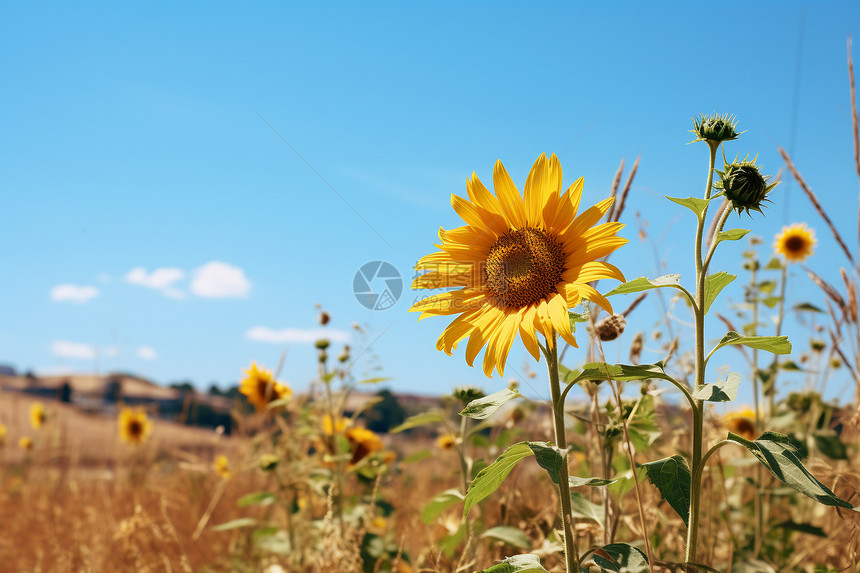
<point x="161" y="279"/>
<point x="220" y="280"/>
<point x="266" y="334"/>
<point x="73" y="293"/>
<point x="147" y="352"/>
<point x="76" y="350"/>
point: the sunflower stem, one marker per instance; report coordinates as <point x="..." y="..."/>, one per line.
<point x="698" y="405"/>
<point x="571" y="552"/>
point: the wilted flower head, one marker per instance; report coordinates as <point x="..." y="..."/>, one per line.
<point x="715" y="128"/>
<point x="744" y="185"/>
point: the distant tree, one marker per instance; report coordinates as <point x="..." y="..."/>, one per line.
<point x="184" y="387"/>
<point x="113" y="390"/>
<point x="385" y="414"/>
<point x="214" y="390"/>
<point x="64" y="392"/>
<point x="32" y="379"/>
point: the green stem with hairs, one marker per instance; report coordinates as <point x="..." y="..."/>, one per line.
<point x="571" y="552"/>
<point x="698" y="405"/>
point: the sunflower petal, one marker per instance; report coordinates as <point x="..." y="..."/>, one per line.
<point x="513" y="208"/>
<point x="590" y="293"/>
<point x="476" y="216"/>
<point x="507" y="332"/>
<point x="560" y="321"/>
<point x="485" y="324"/>
<point x="527" y="331"/>
<point x="591" y="216"/>
<point x="591" y="271"/>
<point x="459" y="328"/>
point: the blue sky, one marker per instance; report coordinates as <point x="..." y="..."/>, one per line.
<point x="142" y="136"/>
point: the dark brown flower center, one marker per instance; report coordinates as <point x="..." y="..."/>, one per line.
<point x="523" y="267"/>
<point x="795" y="244"/>
<point x="135" y="428"/>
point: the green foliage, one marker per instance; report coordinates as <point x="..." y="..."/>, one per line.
<point x="512" y="536"/>
<point x="720" y="391"/>
<point x="583" y="508"/>
<point x="621" y="558"/>
<point x="429" y="417"/>
<point x="518" y="564"/>
<point x="440" y="503"/>
<point x="491" y="477"/>
<point x="714" y="284"/>
<point x="778" y="454"/>
<point x="694" y="204"/>
<point x="643" y="283"/>
<point x="775" y="344"/>
<point x="484" y="407"/>
<point x="672" y="478"/>
<point x="385" y="414"/>
<point x="550" y="458"/>
<point x="731" y="235"/>
<point x="235" y="524"/>
<point x="257" y="498"/>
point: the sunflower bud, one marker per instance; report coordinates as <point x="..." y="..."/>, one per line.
<point x="714" y="129"/>
<point x="744" y="185"/>
<point x="466" y="394"/>
<point x="611" y="327"/>
<point x="322" y="344"/>
<point x="323" y="357"/>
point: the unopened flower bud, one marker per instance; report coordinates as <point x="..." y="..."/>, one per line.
<point x="322" y="344"/>
<point x="714" y="128"/>
<point x="744" y="186"/>
<point x="611" y="327"/>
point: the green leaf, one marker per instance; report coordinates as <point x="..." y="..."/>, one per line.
<point x="373" y="380"/>
<point x="672" y="478"/>
<point x="766" y="287"/>
<point x="575" y="481"/>
<point x="774" y="264"/>
<point x="720" y="391"/>
<point x="277" y="542"/>
<point x="828" y="443"/>
<point x="642" y="424"/>
<point x="431" y="417"/>
<point x="643" y="283"/>
<point x="258" y="498"/>
<point x="714" y="284"/>
<point x="492" y="476"/>
<point x="694" y="204"/>
<point x="518" y="564"/>
<point x="235" y="524"/>
<point x="483" y="407"/>
<point x="449" y="544"/>
<point x="440" y="503"/>
<point x="418" y="456"/>
<point x="777" y="453"/>
<point x="806" y="307"/>
<point x="731" y="235"/>
<point x="512" y="536"/>
<point x="576" y="318"/>
<point x="802" y="528"/>
<point x="771" y="301"/>
<point x="583" y="508"/>
<point x="775" y="344"/>
<point x="623" y="558"/>
<point x="598" y="371"/>
<point x="549" y="458"/>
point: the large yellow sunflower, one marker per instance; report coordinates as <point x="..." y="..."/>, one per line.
<point x="795" y="243"/>
<point x="518" y="264"/>
<point x="134" y="426"/>
<point x="261" y="388"/>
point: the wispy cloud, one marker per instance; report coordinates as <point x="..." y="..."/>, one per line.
<point x="73" y="293"/>
<point x="220" y="280"/>
<point x="161" y="279"/>
<point x="297" y="335"/>
<point x="147" y="353"/>
<point x="75" y="350"/>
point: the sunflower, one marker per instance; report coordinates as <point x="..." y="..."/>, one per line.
<point x="362" y="442"/>
<point x="25" y="443"/>
<point x="260" y="388"/>
<point x="134" y="426"/>
<point x="2" y="435"/>
<point x="446" y="441"/>
<point x="38" y="416"/>
<point x="795" y="243"/>
<point x="221" y="465"/>
<point x="518" y="264"/>
<point x="741" y="422"/>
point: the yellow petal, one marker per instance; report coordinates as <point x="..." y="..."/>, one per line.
<point x="527" y="331"/>
<point x="507" y="333"/>
<point x="475" y="216"/>
<point x="588" y="292"/>
<point x="513" y="209"/>
<point x="453" y="302"/>
<point x="481" y="196"/>
<point x="459" y="328"/>
<point x="591" y="216"/>
<point x="591" y="271"/>
<point x="540" y="186"/>
<point x="557" y="306"/>
<point x="486" y="323"/>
